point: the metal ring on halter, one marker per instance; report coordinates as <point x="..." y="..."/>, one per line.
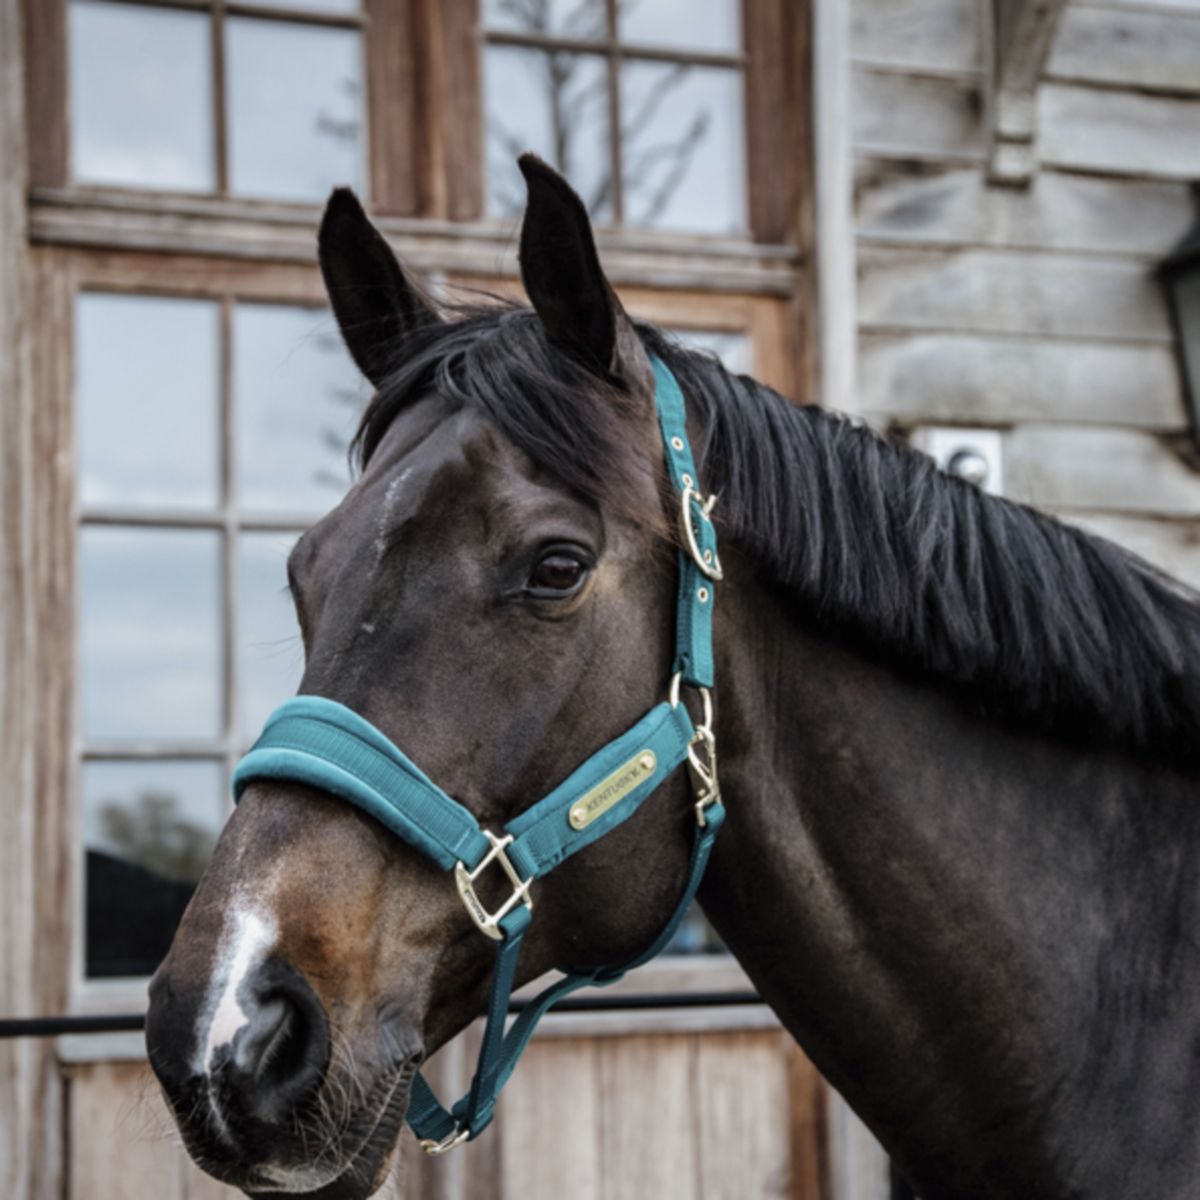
<point x="705" y="697"/>
<point x="447" y="1143"/>
<point x="707" y="561"/>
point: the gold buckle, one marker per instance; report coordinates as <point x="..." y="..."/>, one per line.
<point x="707" y="561"/>
<point x="488" y="922"/>
<point x="447" y="1143"/>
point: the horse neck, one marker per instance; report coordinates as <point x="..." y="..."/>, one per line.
<point x="975" y="934"/>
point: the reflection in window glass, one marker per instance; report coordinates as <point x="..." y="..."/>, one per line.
<point x="270" y="656"/>
<point x="708" y="25"/>
<point x="682" y="147"/>
<point x="555" y="104"/>
<point x="297" y="397"/>
<point x="148" y="830"/>
<point x="149" y="633"/>
<point x="140" y="96"/>
<point x="147" y="400"/>
<point x="557" y="18"/>
<point x="337" y="7"/>
<point x="295" y="109"/>
<point x="732" y="348"/>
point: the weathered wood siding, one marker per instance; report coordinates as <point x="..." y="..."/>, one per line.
<point x="637" y="1117"/>
<point x="1034" y="310"/>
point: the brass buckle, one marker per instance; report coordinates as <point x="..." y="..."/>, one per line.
<point x="488" y="922"/>
<point x="707" y="561"/>
<point x="447" y="1143"/>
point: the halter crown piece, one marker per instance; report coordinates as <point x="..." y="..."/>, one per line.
<point x="322" y="743"/>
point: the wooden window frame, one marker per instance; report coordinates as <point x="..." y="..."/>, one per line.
<point x="424" y="121"/>
<point x="424" y="106"/>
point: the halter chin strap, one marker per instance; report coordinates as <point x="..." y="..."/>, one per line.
<point x="322" y="743"/>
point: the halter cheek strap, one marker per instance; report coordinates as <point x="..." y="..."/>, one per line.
<point x="322" y="743"/>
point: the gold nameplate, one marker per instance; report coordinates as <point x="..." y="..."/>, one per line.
<point x="612" y="788"/>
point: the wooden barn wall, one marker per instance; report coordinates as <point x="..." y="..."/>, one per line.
<point x="1034" y="310"/>
<point x="631" y="1117"/>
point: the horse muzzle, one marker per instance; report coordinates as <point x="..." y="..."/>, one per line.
<point x="267" y="1109"/>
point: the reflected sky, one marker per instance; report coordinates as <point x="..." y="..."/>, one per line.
<point x="270" y="656"/>
<point x="556" y="105"/>
<point x="149" y="633"/>
<point x="297" y="398"/>
<point x="708" y="25"/>
<point x="147" y="400"/>
<point x="295" y="109"/>
<point x="732" y="348"/>
<point x="682" y="146"/>
<point x="339" y="7"/>
<point x="559" y="18"/>
<point x="140" y="96"/>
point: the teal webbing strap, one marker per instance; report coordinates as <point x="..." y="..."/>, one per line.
<point x="500" y="1052"/>
<point x="329" y="746"/>
<point x="543" y="835"/>
<point x="694" y="608"/>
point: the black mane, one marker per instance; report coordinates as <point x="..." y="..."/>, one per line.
<point x="1023" y="616"/>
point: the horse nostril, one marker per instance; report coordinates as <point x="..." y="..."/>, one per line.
<point x="280" y="1055"/>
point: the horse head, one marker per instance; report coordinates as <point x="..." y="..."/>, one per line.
<point x="493" y="595"/>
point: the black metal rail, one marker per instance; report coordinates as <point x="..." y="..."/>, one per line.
<point x="18" y="1027"/>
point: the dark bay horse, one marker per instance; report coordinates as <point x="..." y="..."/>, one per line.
<point x="959" y="746"/>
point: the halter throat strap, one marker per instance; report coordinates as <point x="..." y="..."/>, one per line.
<point x="319" y="742"/>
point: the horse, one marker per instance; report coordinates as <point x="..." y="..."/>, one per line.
<point x="959" y="756"/>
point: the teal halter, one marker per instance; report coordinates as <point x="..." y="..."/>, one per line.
<point x="320" y="742"/>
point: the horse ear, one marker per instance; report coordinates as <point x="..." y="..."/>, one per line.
<point x="374" y="300"/>
<point x="562" y="275"/>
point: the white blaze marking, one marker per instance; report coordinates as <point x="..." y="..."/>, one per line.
<point x="387" y="509"/>
<point x="249" y="934"/>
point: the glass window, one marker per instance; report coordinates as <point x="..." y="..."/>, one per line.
<point x="579" y="19"/>
<point x="295" y="109"/>
<point x="149" y="633"/>
<point x="141" y="96"/>
<point x="297" y="397"/>
<point x="148" y="830"/>
<point x="732" y="347"/>
<point x="682" y="24"/>
<point x="147" y="401"/>
<point x="186" y="634"/>
<point x="555" y="104"/>
<point x="681" y="147"/>
<point x="270" y="653"/>
<point x="670" y="81"/>
<point x="145" y="87"/>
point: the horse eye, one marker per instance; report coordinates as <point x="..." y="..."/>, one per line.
<point x="556" y="574"/>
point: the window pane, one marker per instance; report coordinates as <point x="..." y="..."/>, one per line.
<point x="297" y="397"/>
<point x="558" y="18"/>
<point x="270" y="656"/>
<point x="147" y="391"/>
<point x="148" y="830"/>
<point x="695" y="935"/>
<point x="295" y="109"/>
<point x="712" y="25"/>
<point x="556" y="105"/>
<point x="149" y="633"/>
<point x="141" y="96"/>
<point x="339" y="7"/>
<point x="681" y="147"/>
<point x="733" y="349"/>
